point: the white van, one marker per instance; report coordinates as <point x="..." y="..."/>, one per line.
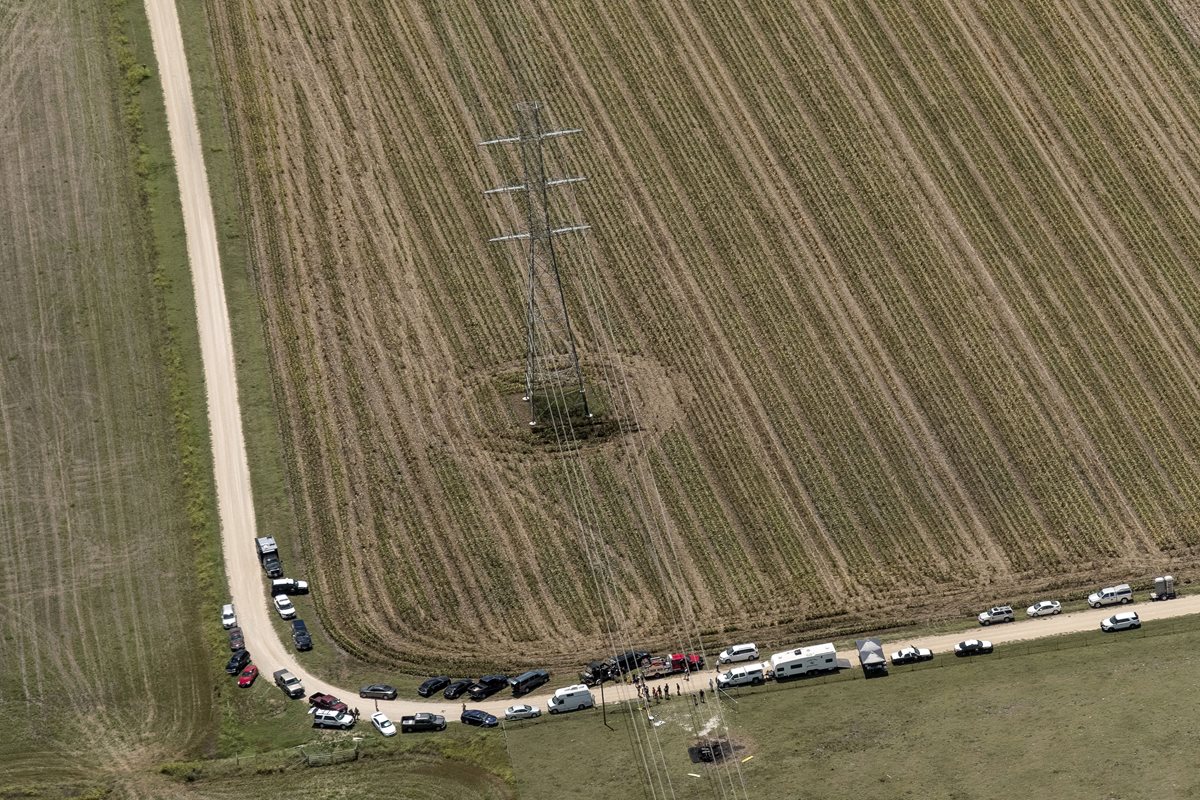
<point x="571" y="698"/>
<point x="738" y="652"/>
<point x="1111" y="595"/>
<point x="749" y="675"/>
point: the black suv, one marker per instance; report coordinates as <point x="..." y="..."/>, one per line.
<point x="433" y="685"/>
<point x="237" y="661"/>
<point x="455" y="690"/>
<point x="528" y="681"/>
<point x="300" y="635"/>
<point x="487" y="686"/>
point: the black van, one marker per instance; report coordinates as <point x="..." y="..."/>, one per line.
<point x="526" y="682"/>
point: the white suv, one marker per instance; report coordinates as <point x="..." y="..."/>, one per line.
<point x="996" y="614"/>
<point x="228" y="618"/>
<point x="1111" y="595"/>
<point x="738" y="652"/>
<point x="1126" y="620"/>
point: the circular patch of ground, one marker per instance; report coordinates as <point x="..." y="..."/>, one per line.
<point x="629" y="397"/>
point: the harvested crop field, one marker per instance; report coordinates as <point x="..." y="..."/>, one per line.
<point x="103" y="672"/>
<point x="905" y="292"/>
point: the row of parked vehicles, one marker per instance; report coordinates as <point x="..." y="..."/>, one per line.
<point x="1121" y="594"/>
<point x="743" y="667"/>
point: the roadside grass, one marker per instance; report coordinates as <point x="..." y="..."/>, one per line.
<point x="1080" y="716"/>
<point x="460" y="762"/>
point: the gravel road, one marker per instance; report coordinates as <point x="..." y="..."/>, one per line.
<point x="235" y="503"/>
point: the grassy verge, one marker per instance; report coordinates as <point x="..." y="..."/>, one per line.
<point x="1034" y="714"/>
<point x="461" y="762"/>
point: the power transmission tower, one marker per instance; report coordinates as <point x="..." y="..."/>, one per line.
<point x="553" y="378"/>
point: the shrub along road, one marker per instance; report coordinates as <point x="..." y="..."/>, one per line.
<point x="232" y="475"/>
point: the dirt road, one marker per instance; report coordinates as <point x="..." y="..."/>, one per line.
<point x="235" y="503"/>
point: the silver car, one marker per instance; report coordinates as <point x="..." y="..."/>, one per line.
<point x="522" y="712"/>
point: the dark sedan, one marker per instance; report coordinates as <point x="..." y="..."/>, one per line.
<point x="236" y="640"/>
<point x="237" y="662"/>
<point x="487" y="686"/>
<point x="456" y="689"/>
<point x="379" y="691"/>
<point x="480" y="719"/>
<point x="433" y="685"/>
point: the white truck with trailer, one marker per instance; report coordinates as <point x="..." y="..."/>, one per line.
<point x="571" y="698"/>
<point x="804" y="661"/>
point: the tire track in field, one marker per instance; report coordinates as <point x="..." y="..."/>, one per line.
<point x="1085" y="286"/>
<point x="708" y="319"/>
<point x="1076" y="193"/>
<point x="967" y="248"/>
<point x="733" y="109"/>
<point x="869" y="353"/>
<point x="927" y="133"/>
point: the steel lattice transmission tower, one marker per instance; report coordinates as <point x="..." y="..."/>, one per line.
<point x="553" y="378"/>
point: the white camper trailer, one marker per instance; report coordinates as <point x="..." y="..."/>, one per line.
<point x="804" y="661"/>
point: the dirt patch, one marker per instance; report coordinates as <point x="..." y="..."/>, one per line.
<point x="501" y="414"/>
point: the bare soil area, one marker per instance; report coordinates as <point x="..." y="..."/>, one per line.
<point x="905" y="297"/>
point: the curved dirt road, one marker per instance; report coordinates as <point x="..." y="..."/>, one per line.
<point x="232" y="475"/>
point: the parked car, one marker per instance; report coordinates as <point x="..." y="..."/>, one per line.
<point x="972" y="647"/>
<point x="228" y="618"/>
<point x="283" y="604"/>
<point x="236" y="640"/>
<point x="288" y="586"/>
<point x="456" y="689"/>
<point x="433" y="685"/>
<point x="487" y="686"/>
<point x="478" y="718"/>
<point x="522" y="712"/>
<point x="237" y="662"/>
<point x="1046" y="608"/>
<point x="383" y="724"/>
<point x="246" y="679"/>
<point x="911" y="655"/>
<point x="738" y="652"/>
<point x="526" y="682"/>
<point x="996" y="614"/>
<point x="379" y="691"/>
<point x="327" y="701"/>
<point x="300" y="635"/>
<point x="1125" y="621"/>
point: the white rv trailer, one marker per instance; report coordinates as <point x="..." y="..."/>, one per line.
<point x="804" y="661"/>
